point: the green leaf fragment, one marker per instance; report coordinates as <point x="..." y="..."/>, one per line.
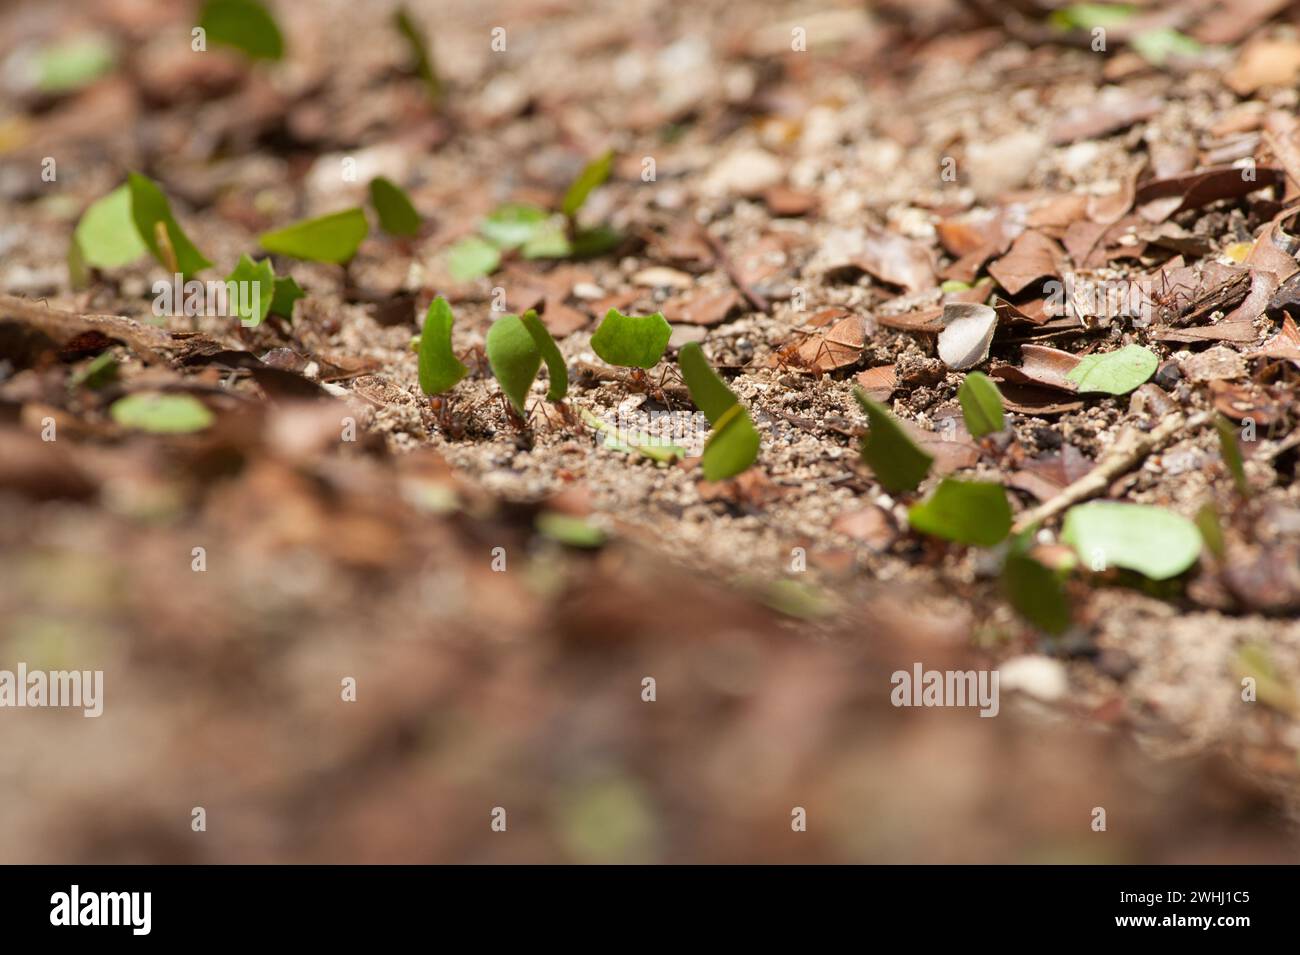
<point x="254" y="290"/>
<point x="1231" y="452"/>
<point x="421" y="57"/>
<point x="550" y="352"/>
<point x="647" y="445"/>
<point x="968" y="512"/>
<point x="550" y="241"/>
<point x="734" y="442"/>
<point x="1157" y="46"/>
<point x="246" y="25"/>
<point x="1036" y="592"/>
<point x="981" y="405"/>
<point x="1207" y="522"/>
<point x="569" y="530"/>
<point x="332" y="238"/>
<point x="106" y="236"/>
<point x="589" y="243"/>
<point x="1150" y="540"/>
<point x="397" y="215"/>
<point x="1089" y="16"/>
<point x="631" y="341"/>
<point x="1116" y="372"/>
<point x="152" y="215"/>
<point x="101" y="370"/>
<point x="440" y="369"/>
<point x="890" y="452"/>
<point x="511" y="225"/>
<point x="514" y="356"/>
<point x="472" y="258"/>
<point x="593" y="175"/>
<point x="71" y="64"/>
<point x="286" y="293"/>
<point x="161" y="413"/>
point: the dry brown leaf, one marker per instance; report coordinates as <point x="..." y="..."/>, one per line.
<point x="1033" y="256"/>
<point x="897" y="260"/>
<point x="880" y="382"/>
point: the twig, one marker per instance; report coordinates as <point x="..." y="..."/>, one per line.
<point x="751" y="296"/>
<point x="1130" y="448"/>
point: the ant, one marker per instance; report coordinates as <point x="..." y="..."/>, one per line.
<point x="642" y="382"/>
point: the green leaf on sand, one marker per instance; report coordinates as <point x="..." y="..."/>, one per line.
<point x="247" y="25"/>
<point x="440" y="369"/>
<point x="421" y="58"/>
<point x="69" y="64"/>
<point x="256" y="289"/>
<point x="106" y="235"/>
<point x="968" y="512"/>
<point x="890" y="452"/>
<point x="650" y="446"/>
<point x="1150" y="540"/>
<point x="734" y="441"/>
<point x="1116" y="372"/>
<point x="593" y="174"/>
<point x="472" y="258"/>
<point x="331" y="238"/>
<point x="569" y="530"/>
<point x="161" y="413"/>
<point x="514" y="357"/>
<point x="397" y="215"/>
<point x="158" y="229"/>
<point x="1231" y="452"/>
<point x="511" y="225"/>
<point x="981" y="405"/>
<point x="631" y="341"/>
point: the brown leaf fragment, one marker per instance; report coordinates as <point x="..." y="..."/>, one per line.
<point x="897" y="260"/>
<point x="1029" y="399"/>
<point x="1033" y="256"/>
<point x="1042" y="366"/>
<point x="880" y="382"/>
<point x="1158" y="199"/>
<point x="1285" y="345"/>
<point x="1105" y="115"/>
<point x="921" y="320"/>
<point x="703" y="306"/>
<point x="1235" y="20"/>
<point x="1268" y="581"/>
<point x="871" y="525"/>
<point x="839" y="346"/>
<point x="1246" y="401"/>
<point x="1264" y="62"/>
<point x="1109" y="209"/>
<point x="784" y="202"/>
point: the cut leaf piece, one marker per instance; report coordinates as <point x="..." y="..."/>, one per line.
<point x="593" y="175"/>
<point x="1207" y="522"/>
<point x="156" y="226"/>
<point x="734" y="442"/>
<point x="247" y="25"/>
<point x="1150" y="540"/>
<point x="550" y="353"/>
<point x="514" y="357"/>
<point x="1231" y="451"/>
<point x="161" y="413"/>
<point x="1036" y="592"/>
<point x="254" y="290"/>
<point x="440" y="369"/>
<point x="648" y="445"/>
<point x="69" y="65"/>
<point x="631" y="341"/>
<point x="968" y="512"/>
<point x="421" y="58"/>
<point x="550" y="241"/>
<point x="511" y="225"/>
<point x="899" y="465"/>
<point x="570" y="530"/>
<point x="331" y="238"/>
<point x="286" y="293"/>
<point x="106" y="235"/>
<point x="981" y="405"/>
<point x="397" y="215"/>
<point x="472" y="258"/>
<point x="1116" y="372"/>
